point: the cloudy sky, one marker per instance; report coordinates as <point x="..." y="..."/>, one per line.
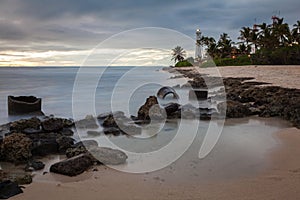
<point x="63" y="32"/>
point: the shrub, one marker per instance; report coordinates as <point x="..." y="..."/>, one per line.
<point x="183" y="63"/>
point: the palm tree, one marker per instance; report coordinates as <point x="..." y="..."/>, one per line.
<point x="281" y="33"/>
<point x="296" y="32"/>
<point x="225" y="45"/>
<point x="245" y="35"/>
<point x="178" y="54"/>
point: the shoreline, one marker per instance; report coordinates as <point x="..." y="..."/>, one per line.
<point x="278" y="181"/>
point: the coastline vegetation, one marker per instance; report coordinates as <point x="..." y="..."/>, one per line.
<point x="263" y="44"/>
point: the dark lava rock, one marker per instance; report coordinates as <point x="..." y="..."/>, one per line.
<point x="34" y="165"/>
<point x="110" y="122"/>
<point x="53" y="125"/>
<point x="234" y="109"/>
<point x="16" y="148"/>
<point x="20" y="125"/>
<point x="171" y="108"/>
<point x="72" y="152"/>
<point x="72" y="166"/>
<point x="64" y="143"/>
<point x="9" y="189"/>
<point x="29" y="131"/>
<point x="23" y="179"/>
<point x="112" y="131"/>
<point x="44" y="144"/>
<point x="130" y="129"/>
<point x="66" y="132"/>
<point x="189" y="111"/>
<point x="150" y="110"/>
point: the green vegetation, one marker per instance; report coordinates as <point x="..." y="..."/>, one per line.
<point x="178" y="54"/>
<point x="273" y="44"/>
<point x="183" y="63"/>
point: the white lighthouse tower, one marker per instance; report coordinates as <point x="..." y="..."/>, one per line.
<point x="198" y="52"/>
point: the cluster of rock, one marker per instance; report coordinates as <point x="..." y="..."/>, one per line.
<point x="246" y="97"/>
<point x="23" y="141"/>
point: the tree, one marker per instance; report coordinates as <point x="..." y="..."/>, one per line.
<point x="225" y="45"/>
<point x="296" y="32"/>
<point x="178" y="54"/>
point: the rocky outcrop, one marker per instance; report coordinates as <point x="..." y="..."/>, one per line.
<point x="20" y="125"/>
<point x="9" y="189"/>
<point x="150" y="110"/>
<point x="34" y="165"/>
<point x="53" y="125"/>
<point x="72" y="166"/>
<point x="233" y="109"/>
<point x="16" y="148"/>
<point x="89" y="122"/>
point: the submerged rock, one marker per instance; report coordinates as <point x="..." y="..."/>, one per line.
<point x="108" y="156"/>
<point x="89" y="122"/>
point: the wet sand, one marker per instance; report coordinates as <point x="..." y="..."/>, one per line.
<point x="281" y="180"/>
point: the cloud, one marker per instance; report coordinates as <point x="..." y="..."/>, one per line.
<point x="68" y="25"/>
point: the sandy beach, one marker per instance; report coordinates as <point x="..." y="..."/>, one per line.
<point x="281" y="180"/>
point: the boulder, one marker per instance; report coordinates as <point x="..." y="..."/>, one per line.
<point x="20" y="125"/>
<point x="108" y="156"/>
<point x="44" y="144"/>
<point x="64" y="143"/>
<point x="150" y="110"/>
<point x="171" y="108"/>
<point x="233" y="109"/>
<point x="9" y="189"/>
<point x="53" y="125"/>
<point x="66" y="132"/>
<point x="89" y="122"/>
<point x="34" y="165"/>
<point x="112" y="131"/>
<point x="86" y="143"/>
<point x="72" y="166"/>
<point x="75" y="151"/>
<point x="116" y="114"/>
<point x="94" y="133"/>
<point x="16" y="148"/>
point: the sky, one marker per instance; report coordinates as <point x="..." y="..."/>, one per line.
<point x="66" y="32"/>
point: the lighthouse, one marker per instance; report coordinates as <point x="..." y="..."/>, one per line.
<point x="198" y="52"/>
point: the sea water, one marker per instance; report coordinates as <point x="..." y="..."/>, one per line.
<point x="240" y="150"/>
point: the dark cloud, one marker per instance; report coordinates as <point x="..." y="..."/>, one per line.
<point x="65" y="25"/>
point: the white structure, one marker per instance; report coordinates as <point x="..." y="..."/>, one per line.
<point x="198" y="52"/>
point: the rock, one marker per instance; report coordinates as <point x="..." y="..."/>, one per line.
<point x="64" y="143"/>
<point x="16" y="148"/>
<point x="112" y="130"/>
<point x="171" y="108"/>
<point x="72" y="166"/>
<point x="20" y="125"/>
<point x="24" y="179"/>
<point x="88" y="123"/>
<point x="108" y="156"/>
<point x="44" y="144"/>
<point x="150" y="110"/>
<point x="86" y="143"/>
<point x="110" y="122"/>
<point x="29" y="131"/>
<point x="233" y="109"/>
<point x="9" y="189"/>
<point x="188" y="111"/>
<point x="66" y="132"/>
<point x="53" y="125"/>
<point x="72" y="152"/>
<point x="5" y="129"/>
<point x="130" y="129"/>
<point x="117" y="114"/>
<point x="94" y="133"/>
<point x="34" y="165"/>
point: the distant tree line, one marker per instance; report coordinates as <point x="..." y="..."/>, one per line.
<point x="273" y="43"/>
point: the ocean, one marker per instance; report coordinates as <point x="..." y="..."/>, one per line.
<point x="239" y="151"/>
